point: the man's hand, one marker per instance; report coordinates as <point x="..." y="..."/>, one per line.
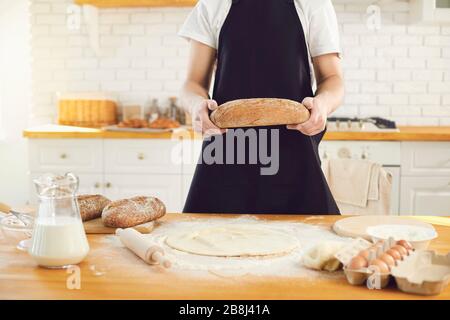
<point x="316" y="122"/>
<point x="328" y="96"/>
<point x="200" y="118"/>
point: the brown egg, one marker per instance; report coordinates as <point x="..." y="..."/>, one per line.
<point x="394" y="254"/>
<point x="380" y="265"/>
<point x="405" y="244"/>
<point x="365" y="253"/>
<point x="358" y="262"/>
<point x="400" y="249"/>
<point x="386" y="258"/>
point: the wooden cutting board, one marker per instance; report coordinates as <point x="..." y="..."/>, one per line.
<point x="355" y="227"/>
<point x="96" y="227"/>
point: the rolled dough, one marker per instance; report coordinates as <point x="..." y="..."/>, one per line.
<point x="233" y="241"/>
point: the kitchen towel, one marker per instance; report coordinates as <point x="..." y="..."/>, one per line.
<point x="359" y="187"/>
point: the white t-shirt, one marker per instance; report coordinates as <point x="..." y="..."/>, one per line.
<point x="318" y="19"/>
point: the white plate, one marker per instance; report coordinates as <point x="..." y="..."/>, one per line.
<point x="419" y="237"/>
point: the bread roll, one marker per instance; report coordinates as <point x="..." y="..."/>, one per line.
<point x="128" y="213"/>
<point x="259" y="112"/>
<point x="91" y="206"/>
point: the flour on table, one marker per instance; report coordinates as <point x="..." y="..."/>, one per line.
<point x="282" y="265"/>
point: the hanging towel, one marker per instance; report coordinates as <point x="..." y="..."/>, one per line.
<point x="349" y="180"/>
<point x="359" y="187"/>
<point x="374" y="189"/>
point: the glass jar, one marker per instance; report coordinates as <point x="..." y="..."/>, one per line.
<point x="58" y="239"/>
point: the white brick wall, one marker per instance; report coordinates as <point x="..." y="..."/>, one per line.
<point x="408" y="73"/>
<point x="401" y="71"/>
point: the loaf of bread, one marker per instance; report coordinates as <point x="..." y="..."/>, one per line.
<point x="259" y="112"/>
<point x="91" y="206"/>
<point x="128" y="213"/>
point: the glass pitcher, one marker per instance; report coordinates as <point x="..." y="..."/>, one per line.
<point x="58" y="238"/>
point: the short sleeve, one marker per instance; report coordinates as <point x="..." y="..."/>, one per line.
<point x="198" y="26"/>
<point x="324" y="31"/>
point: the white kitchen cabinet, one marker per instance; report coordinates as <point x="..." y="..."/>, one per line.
<point x="430" y="11"/>
<point x="395" y="192"/>
<point x="62" y="155"/>
<point x="159" y="156"/>
<point x="116" y="168"/>
<point x="425" y="196"/>
<point x="191" y="150"/>
<point x="426" y="159"/>
<point x="91" y="184"/>
<point x="386" y="153"/>
<point x="425" y="178"/>
<point x="165" y="187"/>
<point x="191" y="155"/>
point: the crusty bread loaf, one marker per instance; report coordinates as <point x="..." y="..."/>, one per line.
<point x="128" y="213"/>
<point x="259" y="112"/>
<point x="91" y="206"/>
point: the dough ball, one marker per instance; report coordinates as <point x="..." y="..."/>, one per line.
<point x="321" y="256"/>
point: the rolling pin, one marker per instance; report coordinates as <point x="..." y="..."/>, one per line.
<point x="143" y="247"/>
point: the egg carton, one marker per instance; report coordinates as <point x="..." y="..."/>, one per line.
<point x="371" y="276"/>
<point x="424" y="272"/>
<point x="352" y="249"/>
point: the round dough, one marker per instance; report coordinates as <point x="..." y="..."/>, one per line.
<point x="233" y="241"/>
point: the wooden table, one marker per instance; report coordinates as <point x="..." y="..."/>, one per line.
<point x="124" y="276"/>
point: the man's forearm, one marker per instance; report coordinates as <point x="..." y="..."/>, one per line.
<point x="192" y="95"/>
<point x="331" y="92"/>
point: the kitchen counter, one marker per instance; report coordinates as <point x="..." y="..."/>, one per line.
<point x="404" y="134"/>
<point x="124" y="276"/>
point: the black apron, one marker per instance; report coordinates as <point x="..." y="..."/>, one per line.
<point x="262" y="54"/>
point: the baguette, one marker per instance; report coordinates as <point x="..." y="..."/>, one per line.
<point x="91" y="206"/>
<point x="128" y="213"/>
<point x="259" y="112"/>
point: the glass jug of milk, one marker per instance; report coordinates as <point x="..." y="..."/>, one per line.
<point x="58" y="238"/>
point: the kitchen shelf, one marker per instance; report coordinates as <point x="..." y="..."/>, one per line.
<point x="137" y="3"/>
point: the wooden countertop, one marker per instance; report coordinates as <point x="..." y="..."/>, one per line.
<point x="124" y="276"/>
<point x="404" y="134"/>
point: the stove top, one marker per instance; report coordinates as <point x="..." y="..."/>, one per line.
<point x="373" y="124"/>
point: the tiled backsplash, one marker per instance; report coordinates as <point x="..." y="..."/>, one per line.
<point x="401" y="71"/>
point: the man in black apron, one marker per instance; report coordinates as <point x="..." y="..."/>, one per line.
<point x="262" y="53"/>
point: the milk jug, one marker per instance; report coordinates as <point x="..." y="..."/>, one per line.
<point x="58" y="238"/>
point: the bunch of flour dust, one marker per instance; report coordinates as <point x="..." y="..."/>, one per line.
<point x="287" y="265"/>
